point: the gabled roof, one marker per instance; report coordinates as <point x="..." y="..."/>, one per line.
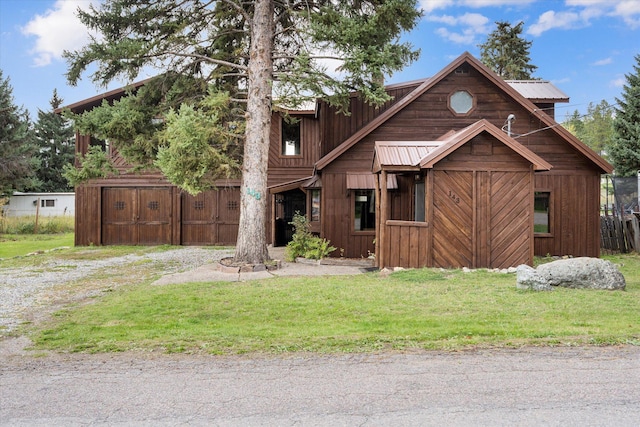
<point x="94" y="101"/>
<point x="306" y="108"/>
<point x="465" y="135"/>
<point x="491" y="76"/>
<point x="415" y="155"/>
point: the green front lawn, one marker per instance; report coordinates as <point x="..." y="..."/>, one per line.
<point x="412" y="309"/>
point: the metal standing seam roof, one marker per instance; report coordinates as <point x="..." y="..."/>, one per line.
<point x="403" y="153"/>
<point x="538" y="90"/>
<point x="367" y="181"/>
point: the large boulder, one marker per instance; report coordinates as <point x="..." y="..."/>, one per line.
<point x="577" y="273"/>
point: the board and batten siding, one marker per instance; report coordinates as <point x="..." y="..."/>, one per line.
<point x="574" y="214"/>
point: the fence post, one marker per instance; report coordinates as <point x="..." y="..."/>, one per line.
<point x="35" y="228"/>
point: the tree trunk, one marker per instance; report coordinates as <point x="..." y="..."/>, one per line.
<point x="251" y="246"/>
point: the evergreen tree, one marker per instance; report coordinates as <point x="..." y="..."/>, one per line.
<point x="574" y="124"/>
<point x="507" y="53"/>
<point x="229" y="64"/>
<point x="625" y="149"/>
<point x="598" y="124"/>
<point x="17" y="147"/>
<point x="594" y="128"/>
<point x="55" y="138"/>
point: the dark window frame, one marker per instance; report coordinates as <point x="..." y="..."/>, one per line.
<point x="315" y="204"/>
<point x="370" y="203"/>
<point x="290" y="131"/>
<point x="539" y="207"/>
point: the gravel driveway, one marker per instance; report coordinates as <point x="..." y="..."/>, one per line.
<point x="29" y="292"/>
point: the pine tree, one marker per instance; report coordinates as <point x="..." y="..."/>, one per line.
<point x="625" y="149"/>
<point x="17" y="148"/>
<point x="231" y="63"/>
<point x="55" y="138"/>
<point x="595" y="128"/>
<point x="507" y="53"/>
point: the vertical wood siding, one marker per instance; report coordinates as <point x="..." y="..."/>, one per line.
<point x="88" y="218"/>
<point x="574" y="216"/>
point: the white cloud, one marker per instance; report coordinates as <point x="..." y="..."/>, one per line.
<point x="472" y="24"/>
<point x="581" y="13"/>
<point x="562" y="20"/>
<point x="431" y="5"/>
<point x="495" y="3"/>
<point x="629" y="11"/>
<point x="57" y="30"/>
<point x="618" y="82"/>
<point x="604" y="61"/>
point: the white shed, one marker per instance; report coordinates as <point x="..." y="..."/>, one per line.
<point x="44" y="204"/>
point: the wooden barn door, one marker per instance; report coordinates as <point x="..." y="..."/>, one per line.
<point x="481" y="219"/>
<point x="228" y="216"/>
<point x="211" y="217"/>
<point x="136" y="216"/>
<point x="452" y="219"/>
<point x="154" y="216"/>
<point x="197" y="219"/>
<point x="510" y="219"/>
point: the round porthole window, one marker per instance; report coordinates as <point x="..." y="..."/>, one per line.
<point x="461" y="102"/>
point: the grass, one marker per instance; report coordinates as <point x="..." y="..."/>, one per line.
<point x="19" y="236"/>
<point x="412" y="309"/>
<point x="12" y="245"/>
<point x="27" y="225"/>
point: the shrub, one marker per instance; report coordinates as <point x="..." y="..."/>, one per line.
<point x="304" y="243"/>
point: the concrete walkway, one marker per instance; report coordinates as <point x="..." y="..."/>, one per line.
<point x="210" y="272"/>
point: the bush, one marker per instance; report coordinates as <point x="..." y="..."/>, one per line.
<point x="304" y="244"/>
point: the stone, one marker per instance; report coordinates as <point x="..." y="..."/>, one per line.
<point x="575" y="273"/>
<point x="527" y="278"/>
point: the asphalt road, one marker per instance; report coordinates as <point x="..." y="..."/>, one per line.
<point x="525" y="387"/>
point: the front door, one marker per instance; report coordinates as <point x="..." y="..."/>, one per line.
<point x="287" y="204"/>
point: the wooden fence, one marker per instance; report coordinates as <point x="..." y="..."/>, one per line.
<point x="620" y="235"/>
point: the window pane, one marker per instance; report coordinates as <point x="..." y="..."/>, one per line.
<point x="365" y="210"/>
<point x="419" y="201"/>
<point x="461" y="102"/>
<point x="541" y="214"/>
<point x="290" y="138"/>
<point x="315" y="205"/>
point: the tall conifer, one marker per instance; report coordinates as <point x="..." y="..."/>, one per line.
<point x="54" y="136"/>
<point x="17" y="148"/>
<point x="230" y="60"/>
<point x="625" y="149"/>
<point x="507" y="53"/>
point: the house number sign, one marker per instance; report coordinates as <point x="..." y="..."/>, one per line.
<point x="253" y="193"/>
<point x="453" y="196"/>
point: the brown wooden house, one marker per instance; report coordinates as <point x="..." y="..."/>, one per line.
<point x="441" y="175"/>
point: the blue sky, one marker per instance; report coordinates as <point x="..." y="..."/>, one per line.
<point x="585" y="47"/>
